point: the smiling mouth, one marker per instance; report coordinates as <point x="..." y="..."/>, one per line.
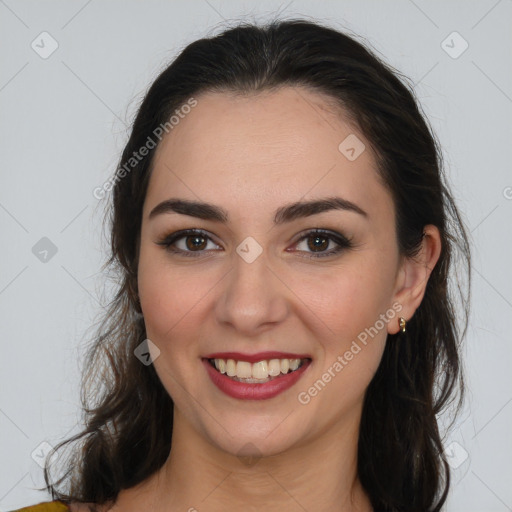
<point x="258" y="372"/>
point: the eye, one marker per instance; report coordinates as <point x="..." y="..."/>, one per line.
<point x="321" y="243"/>
<point x="188" y="241"/>
<point x="195" y="242"/>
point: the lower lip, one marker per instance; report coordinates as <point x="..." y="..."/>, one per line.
<point x="246" y="391"/>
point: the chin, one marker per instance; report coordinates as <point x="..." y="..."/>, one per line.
<point x="255" y="435"/>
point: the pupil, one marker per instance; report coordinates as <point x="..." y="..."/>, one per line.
<point x="319" y="242"/>
<point x="196" y="242"/>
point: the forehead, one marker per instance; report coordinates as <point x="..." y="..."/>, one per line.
<point x="263" y="150"/>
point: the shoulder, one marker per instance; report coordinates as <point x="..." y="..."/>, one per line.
<point x="48" y="506"/>
<point x="59" y="506"/>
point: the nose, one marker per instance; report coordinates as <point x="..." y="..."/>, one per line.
<point x="252" y="298"/>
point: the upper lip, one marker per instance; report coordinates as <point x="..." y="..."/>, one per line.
<point x="254" y="358"/>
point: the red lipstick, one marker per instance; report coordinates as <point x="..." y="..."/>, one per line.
<point x="255" y="391"/>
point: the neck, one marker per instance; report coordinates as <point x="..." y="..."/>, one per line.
<point x="318" y="476"/>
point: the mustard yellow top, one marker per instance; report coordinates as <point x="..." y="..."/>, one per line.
<point x="48" y="506"/>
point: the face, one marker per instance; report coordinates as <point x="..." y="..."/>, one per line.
<point x="293" y="255"/>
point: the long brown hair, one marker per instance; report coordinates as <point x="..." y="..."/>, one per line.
<point x="128" y="415"/>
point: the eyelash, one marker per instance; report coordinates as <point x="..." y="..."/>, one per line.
<point x="342" y="242"/>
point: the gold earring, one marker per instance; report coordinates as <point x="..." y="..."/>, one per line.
<point x="402" y="323"/>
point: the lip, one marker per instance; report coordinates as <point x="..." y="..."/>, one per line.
<point x="246" y="391"/>
<point x="254" y="358"/>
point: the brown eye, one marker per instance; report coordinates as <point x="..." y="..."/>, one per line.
<point x="318" y="243"/>
<point x="189" y="242"/>
<point x="196" y="242"/>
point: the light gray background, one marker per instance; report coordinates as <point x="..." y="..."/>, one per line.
<point x="64" y="121"/>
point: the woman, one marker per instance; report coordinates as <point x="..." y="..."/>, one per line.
<point x="283" y="336"/>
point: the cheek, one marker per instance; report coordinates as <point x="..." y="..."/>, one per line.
<point x="170" y="296"/>
<point x="353" y="306"/>
<point x="171" y="301"/>
<point x="164" y="302"/>
<point x="347" y="300"/>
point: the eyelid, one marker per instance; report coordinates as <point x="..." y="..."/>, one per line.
<point x="321" y="231"/>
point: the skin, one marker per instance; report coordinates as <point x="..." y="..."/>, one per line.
<point x="251" y="155"/>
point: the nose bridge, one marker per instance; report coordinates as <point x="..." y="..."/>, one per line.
<point x="252" y="296"/>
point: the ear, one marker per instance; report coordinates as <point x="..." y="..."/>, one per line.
<point x="413" y="275"/>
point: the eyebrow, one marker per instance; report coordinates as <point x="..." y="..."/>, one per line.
<point x="284" y="214"/>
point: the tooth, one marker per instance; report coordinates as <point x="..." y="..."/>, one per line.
<point x="274" y="367"/>
<point x="243" y="370"/>
<point x="294" y="364"/>
<point x="231" y="367"/>
<point x="260" y="370"/>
